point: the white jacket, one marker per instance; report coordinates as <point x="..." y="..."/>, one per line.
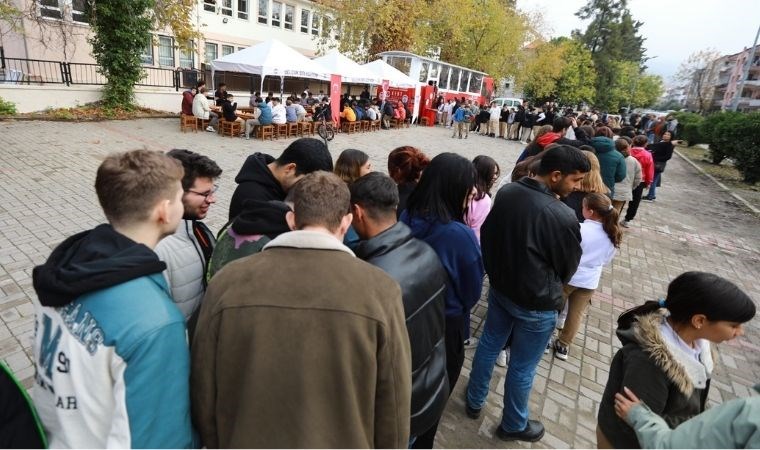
<point x="278" y="114"/>
<point x="624" y="189"/>
<point x="201" y="108"/>
<point x="597" y="252"/>
<point x="185" y="267"/>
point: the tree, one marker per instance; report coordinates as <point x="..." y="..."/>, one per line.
<point x="120" y="29"/>
<point x="700" y="73"/>
<point x="489" y="41"/>
<point x="578" y="77"/>
<point x="10" y="18"/>
<point x="632" y="88"/>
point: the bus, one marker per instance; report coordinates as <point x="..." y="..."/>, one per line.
<point x="452" y="81"/>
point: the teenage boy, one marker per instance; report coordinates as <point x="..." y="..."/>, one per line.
<point x="110" y="347"/>
<point x="286" y="357"/>
<point x="188" y="251"/>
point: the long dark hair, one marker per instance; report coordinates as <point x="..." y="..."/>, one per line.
<point x="485" y="166"/>
<point x="443" y="188"/>
<point x="349" y="164"/>
<point x="602" y="206"/>
<point x="694" y="293"/>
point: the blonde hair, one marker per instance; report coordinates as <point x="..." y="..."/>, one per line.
<point x="542" y="131"/>
<point x="592" y="182"/>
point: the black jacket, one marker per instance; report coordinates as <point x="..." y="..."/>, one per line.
<point x="256" y="182"/>
<point x="228" y="110"/>
<point x="417" y="269"/>
<point x="661" y="151"/>
<point x="658" y="375"/>
<point x="19" y="426"/>
<point x="520" y="116"/>
<point x="531" y="245"/>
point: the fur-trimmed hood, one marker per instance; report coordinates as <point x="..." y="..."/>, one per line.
<point x="680" y="367"/>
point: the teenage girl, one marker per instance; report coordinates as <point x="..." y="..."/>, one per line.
<point x="666" y="358"/>
<point x="600" y="237"/>
<point x="486" y="173"/>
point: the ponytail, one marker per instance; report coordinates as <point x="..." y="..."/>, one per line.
<point x="694" y="293"/>
<point x="602" y="206"/>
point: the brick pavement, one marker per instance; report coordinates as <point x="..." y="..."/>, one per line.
<point x="47" y="171"/>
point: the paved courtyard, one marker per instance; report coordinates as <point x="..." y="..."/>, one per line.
<point x="47" y="171"/>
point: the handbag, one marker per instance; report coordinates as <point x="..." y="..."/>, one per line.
<point x="659" y="166"/>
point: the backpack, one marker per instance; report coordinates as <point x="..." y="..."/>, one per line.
<point x="20" y="426"/>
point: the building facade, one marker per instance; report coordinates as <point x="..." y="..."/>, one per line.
<point x="730" y="79"/>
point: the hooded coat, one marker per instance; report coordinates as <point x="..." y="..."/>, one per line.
<point x="671" y="383"/>
<point x="611" y="162"/>
<point x="110" y="347"/>
<point x="255" y="182"/>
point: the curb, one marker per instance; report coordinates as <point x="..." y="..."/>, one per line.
<point x="720" y="185"/>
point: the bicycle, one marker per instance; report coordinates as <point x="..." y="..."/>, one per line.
<point x="325" y="129"/>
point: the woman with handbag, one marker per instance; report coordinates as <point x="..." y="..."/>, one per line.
<point x="661" y="153"/>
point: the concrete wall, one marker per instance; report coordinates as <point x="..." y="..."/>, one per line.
<point x="31" y="98"/>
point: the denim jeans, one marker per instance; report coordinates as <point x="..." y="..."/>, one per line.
<point x="530" y="332"/>
<point x="653" y="187"/>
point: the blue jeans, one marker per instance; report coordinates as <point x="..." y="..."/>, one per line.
<point x="653" y="186"/>
<point x="530" y="331"/>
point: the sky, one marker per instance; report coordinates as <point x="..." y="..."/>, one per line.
<point x="673" y="28"/>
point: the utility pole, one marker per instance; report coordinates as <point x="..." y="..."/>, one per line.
<point x="745" y="73"/>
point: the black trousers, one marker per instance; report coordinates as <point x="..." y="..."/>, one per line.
<point x="454" y="341"/>
<point x="633" y="205"/>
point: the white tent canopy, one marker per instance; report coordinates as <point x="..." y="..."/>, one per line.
<point x="395" y="77"/>
<point x="271" y="58"/>
<point x="350" y="71"/>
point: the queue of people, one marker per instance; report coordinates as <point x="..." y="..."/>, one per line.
<point x="152" y="327"/>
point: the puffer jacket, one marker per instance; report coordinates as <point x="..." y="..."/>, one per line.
<point x="670" y="382"/>
<point x="611" y="162"/>
<point x="417" y="269"/>
<point x="186" y="253"/>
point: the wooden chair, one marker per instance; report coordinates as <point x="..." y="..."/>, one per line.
<point x="233" y="128"/>
<point x="350" y="127"/>
<point x="423" y="121"/>
<point x="374" y="125"/>
<point x="281" y="130"/>
<point x="187" y="123"/>
<point x="265" y="131"/>
<point x="293" y="129"/>
<point x="364" y="126"/>
<point x="394" y="123"/>
<point x="306" y="128"/>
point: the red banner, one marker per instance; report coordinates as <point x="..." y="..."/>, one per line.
<point x="335" y="97"/>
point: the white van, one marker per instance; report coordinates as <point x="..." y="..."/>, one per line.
<point x="509" y="102"/>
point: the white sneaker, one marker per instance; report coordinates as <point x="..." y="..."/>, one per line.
<point x="471" y="343"/>
<point x="626" y="224"/>
<point x="501" y="361"/>
<point x="210" y="128"/>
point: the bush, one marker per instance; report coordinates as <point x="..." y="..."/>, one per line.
<point x="717" y="130"/>
<point x="746" y="149"/>
<point x="7" y="108"/>
<point x="690" y="127"/>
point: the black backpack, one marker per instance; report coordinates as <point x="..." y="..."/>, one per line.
<point x="19" y="425"/>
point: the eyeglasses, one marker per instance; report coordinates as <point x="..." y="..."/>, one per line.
<point x="207" y="194"/>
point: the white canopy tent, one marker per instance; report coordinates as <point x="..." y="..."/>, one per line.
<point x="350" y="71"/>
<point x="271" y="58"/>
<point x="395" y="77"/>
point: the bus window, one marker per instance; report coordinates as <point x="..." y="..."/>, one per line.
<point x="433" y="75"/>
<point x="475" y="81"/>
<point x="464" y="81"/>
<point x="402" y="63"/>
<point x="454" y="81"/>
<point x="444" y="78"/>
<point x="424" y="72"/>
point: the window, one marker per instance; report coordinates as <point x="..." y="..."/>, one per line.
<point x="79" y="11"/>
<point x="276" y="14"/>
<point x="242" y="9"/>
<point x="187" y="58"/>
<point x="476" y="80"/>
<point x="443" y="82"/>
<point x="433" y="71"/>
<point x="227" y="8"/>
<point x="337" y="28"/>
<point x="50" y="8"/>
<point x="264" y="11"/>
<point x="227" y="50"/>
<point x="315" y="24"/>
<point x="424" y="72"/>
<point x="209" y="5"/>
<point x="290" y="12"/>
<point x="454" y="80"/>
<point x="211" y="52"/>
<point x="402" y="63"/>
<point x="146" y="56"/>
<point x="464" y="80"/>
<point x="165" y="51"/>
<point x="305" y="13"/>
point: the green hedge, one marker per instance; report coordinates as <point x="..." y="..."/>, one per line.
<point x="7" y="108"/>
<point x="690" y="127"/>
<point x="737" y="136"/>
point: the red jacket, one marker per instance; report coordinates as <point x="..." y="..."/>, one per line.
<point x="644" y="158"/>
<point x="187" y="103"/>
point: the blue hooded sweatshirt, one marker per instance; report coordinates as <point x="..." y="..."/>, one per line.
<point x="266" y="114"/>
<point x="459" y="252"/>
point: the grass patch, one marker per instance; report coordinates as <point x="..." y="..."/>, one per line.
<point x="93" y="112"/>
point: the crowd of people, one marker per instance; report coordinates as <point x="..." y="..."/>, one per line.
<point x="152" y="326"/>
<point x="270" y="110"/>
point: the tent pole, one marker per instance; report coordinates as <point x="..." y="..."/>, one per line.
<point x="261" y="92"/>
<point x="282" y="87"/>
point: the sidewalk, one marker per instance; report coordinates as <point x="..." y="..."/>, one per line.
<point x="47" y="170"/>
